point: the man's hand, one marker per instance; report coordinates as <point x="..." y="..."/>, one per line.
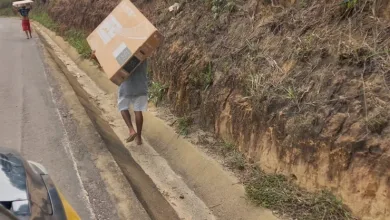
<point x="93" y="57"/>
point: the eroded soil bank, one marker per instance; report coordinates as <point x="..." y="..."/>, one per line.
<point x="300" y="87"/>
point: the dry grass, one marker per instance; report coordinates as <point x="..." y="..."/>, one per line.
<point x="377" y="121"/>
<point x="343" y="39"/>
<point x="278" y="193"/>
<point x="184" y="124"/>
<point x="236" y="160"/>
<point x="6" y="12"/>
<point x="6" y="8"/>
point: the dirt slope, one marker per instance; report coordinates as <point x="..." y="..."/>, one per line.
<point x="301" y="87"/>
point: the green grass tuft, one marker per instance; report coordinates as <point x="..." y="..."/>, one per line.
<point x="156" y="92"/>
<point x="227" y="147"/>
<point x="184" y="125"/>
<point x="43" y="18"/>
<point x="236" y="160"/>
<point x="78" y="39"/>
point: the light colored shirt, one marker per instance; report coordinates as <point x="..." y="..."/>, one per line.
<point x="136" y="84"/>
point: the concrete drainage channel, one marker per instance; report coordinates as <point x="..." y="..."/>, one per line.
<point x="146" y="191"/>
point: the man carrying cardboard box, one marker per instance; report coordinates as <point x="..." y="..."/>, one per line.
<point x="122" y="42"/>
<point x="133" y="91"/>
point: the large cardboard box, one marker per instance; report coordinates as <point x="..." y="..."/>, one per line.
<point x="123" y="41"/>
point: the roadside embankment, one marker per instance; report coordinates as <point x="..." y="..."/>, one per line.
<point x="194" y="185"/>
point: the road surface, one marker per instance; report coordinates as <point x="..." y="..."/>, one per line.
<point x="32" y="122"/>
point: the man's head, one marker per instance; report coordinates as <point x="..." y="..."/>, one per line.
<point x="24" y="7"/>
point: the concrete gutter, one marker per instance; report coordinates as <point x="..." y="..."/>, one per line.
<point x="110" y="194"/>
<point x="177" y="168"/>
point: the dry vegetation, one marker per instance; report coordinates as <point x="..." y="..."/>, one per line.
<point x="278" y="192"/>
<point x="314" y="71"/>
<point x="6" y="8"/>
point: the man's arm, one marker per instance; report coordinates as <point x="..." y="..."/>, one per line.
<point x="17" y="10"/>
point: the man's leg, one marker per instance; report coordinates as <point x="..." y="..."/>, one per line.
<point x="139" y="120"/>
<point x="140" y="105"/>
<point x="127" y="118"/>
<point x="123" y="106"/>
<point x="28" y="27"/>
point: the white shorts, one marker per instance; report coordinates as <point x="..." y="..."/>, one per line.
<point x="139" y="103"/>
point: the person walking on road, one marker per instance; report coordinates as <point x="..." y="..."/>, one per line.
<point x="24" y="11"/>
<point x="133" y="91"/>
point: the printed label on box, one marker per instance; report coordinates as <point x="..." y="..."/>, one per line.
<point x="122" y="54"/>
<point x="109" y="28"/>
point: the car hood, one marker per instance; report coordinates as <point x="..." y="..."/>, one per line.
<point x="27" y="190"/>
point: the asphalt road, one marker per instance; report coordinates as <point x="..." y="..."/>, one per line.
<point x="30" y="120"/>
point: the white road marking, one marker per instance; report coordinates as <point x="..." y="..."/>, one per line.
<point x="68" y="149"/>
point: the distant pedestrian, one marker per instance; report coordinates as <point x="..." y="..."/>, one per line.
<point x="24" y="11"/>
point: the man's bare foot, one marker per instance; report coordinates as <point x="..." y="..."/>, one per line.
<point x="139" y="140"/>
<point x="132" y="136"/>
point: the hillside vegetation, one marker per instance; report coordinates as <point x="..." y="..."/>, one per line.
<point x="6" y="8"/>
<point x="300" y="87"/>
